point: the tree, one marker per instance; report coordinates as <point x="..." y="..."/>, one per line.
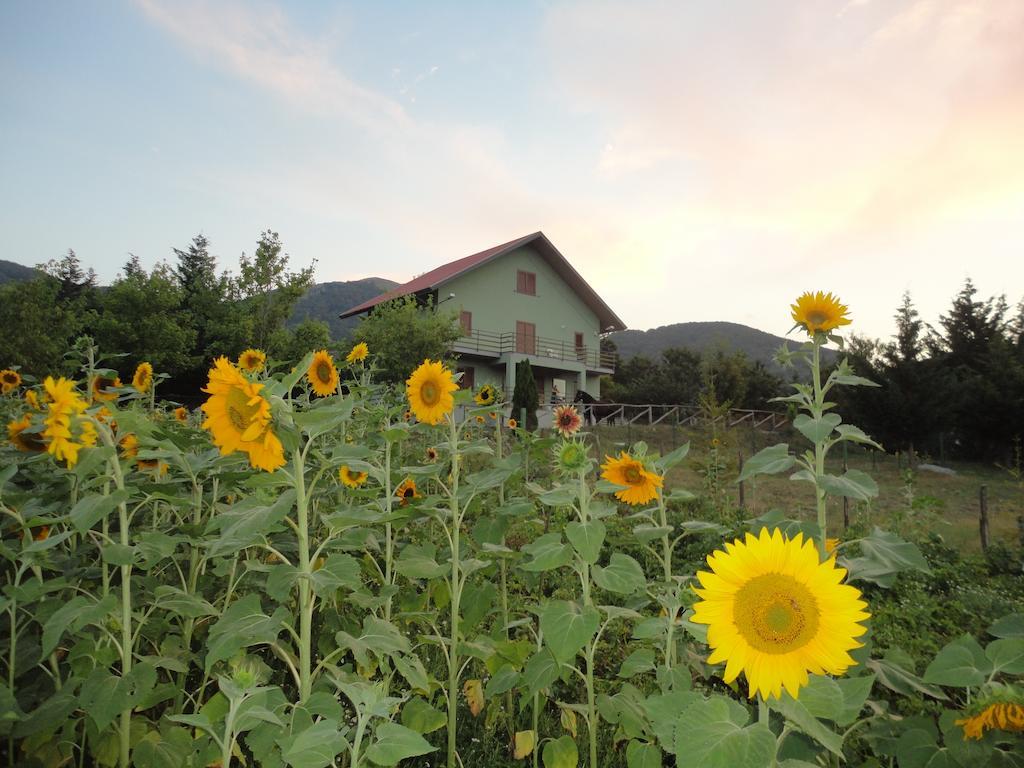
<point x="38" y="327"/>
<point x="268" y="291"/>
<point x="401" y="334"/>
<point x="290" y="345"/>
<point x="524" y="396"/>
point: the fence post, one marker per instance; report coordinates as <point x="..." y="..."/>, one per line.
<point x="743" y="503"/>
<point x="1020" y="529"/>
<point x="983" y="518"/>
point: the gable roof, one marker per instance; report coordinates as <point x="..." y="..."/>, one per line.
<point x="437" y="277"/>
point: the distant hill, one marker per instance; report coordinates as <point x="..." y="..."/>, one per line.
<point x="708" y="336"/>
<point x="10" y="271"/>
<point x="325" y="301"/>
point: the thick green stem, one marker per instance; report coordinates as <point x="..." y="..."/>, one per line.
<point x="389" y="536"/>
<point x="819" y="447"/>
<point x="456" y="587"/>
<point x="305" y="580"/>
<point x="592" y="715"/>
<point x="126" y="608"/>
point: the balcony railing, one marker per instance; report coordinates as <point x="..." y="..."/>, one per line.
<point x="493" y="344"/>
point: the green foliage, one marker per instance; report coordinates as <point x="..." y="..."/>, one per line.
<point x="525" y="396"/>
<point x="38" y="326"/>
<point x="402" y="333"/>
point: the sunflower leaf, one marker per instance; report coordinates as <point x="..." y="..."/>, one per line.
<point x="769" y="461"/>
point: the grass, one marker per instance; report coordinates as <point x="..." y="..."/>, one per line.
<point x="914" y="503"/>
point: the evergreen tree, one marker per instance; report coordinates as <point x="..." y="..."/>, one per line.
<point x="524" y="396"/>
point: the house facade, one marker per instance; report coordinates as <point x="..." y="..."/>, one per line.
<point x="520" y="300"/>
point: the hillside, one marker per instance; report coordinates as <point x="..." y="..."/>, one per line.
<point x="325" y="301"/>
<point x="706" y="336"/>
<point x="10" y="271"/>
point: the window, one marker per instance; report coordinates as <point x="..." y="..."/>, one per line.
<point x="466" y="321"/>
<point x="468" y="380"/>
<point x="581" y="348"/>
<point x="526" y="282"/>
<point x="526" y="338"/>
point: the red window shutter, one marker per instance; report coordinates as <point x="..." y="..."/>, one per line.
<point x="466" y="321"/>
<point x="526" y="282"/>
<point x="526" y="338"/>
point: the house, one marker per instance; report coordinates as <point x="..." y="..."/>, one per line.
<point x="520" y="300"/>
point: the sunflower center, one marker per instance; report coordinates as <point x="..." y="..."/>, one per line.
<point x="430" y="393"/>
<point x="632" y="475"/>
<point x="323" y="372"/>
<point x="408" y="493"/>
<point x="775" y="613"/>
<point x="239" y="411"/>
<point x="816" y="317"/>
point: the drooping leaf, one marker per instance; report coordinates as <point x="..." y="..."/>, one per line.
<point x="561" y="753"/>
<point x="768" y="461"/>
<point x="567" y="627"/>
<point x="395" y="743"/>
<point x="587" y="539"/>
<point x="524" y="742"/>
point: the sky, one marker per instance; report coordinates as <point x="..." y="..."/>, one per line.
<point x="693" y="160"/>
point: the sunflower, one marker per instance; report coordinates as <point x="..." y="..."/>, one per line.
<point x="406" y="491"/>
<point x="776" y="612"/>
<point x="63" y="403"/>
<point x="32" y="399"/>
<point x="819" y="312"/>
<point x="181" y="414"/>
<point x="103" y="388"/>
<point x="42" y="534"/>
<point x="23" y="440"/>
<point x="479" y="419"/>
<point x="358" y="353"/>
<point x="512" y="423"/>
<point x="9" y="380"/>
<point x="831" y="545"/>
<point x="640" y="485"/>
<point x="238" y="417"/>
<point x="322" y="374"/>
<point x="143" y="378"/>
<point x="129" y="445"/>
<point x="430" y="392"/>
<point x="570" y="456"/>
<point x="353" y="479"/>
<point x="567" y="420"/>
<point x="994" y="715"/>
<point x="432" y="454"/>
<point x="252" y="360"/>
<point x="485" y="395"/>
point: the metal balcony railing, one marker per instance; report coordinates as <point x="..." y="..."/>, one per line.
<point x="494" y="344"/>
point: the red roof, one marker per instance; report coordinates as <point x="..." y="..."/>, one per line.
<point x="441" y="275"/>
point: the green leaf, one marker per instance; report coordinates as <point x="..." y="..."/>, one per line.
<point x="641" y="755"/>
<point x="167" y="748"/>
<point x="314" y="747"/>
<point x="92" y="508"/>
<point x="855" y="692"/>
<point x="587" y="539"/>
<point x="505" y="679"/>
<point x="852" y="434"/>
<point x="421" y="717"/>
<point x="567" y="627"/>
<point x="1006" y="655"/>
<point x="118" y="554"/>
<point x="917" y="748"/>
<point x="547" y="553"/>
<point x="1011" y="625"/>
<point x="419" y="562"/>
<point x="816" y="429"/>
<point x="769" y="461"/>
<point x="79" y="612"/>
<point x="561" y="753"/>
<point x="853" y="484"/>
<point x="638" y="661"/>
<point x="379" y="637"/>
<point x="713" y="734"/>
<point x="670" y="460"/>
<point x="894" y="677"/>
<point x="798" y="714"/>
<point x="885" y="555"/>
<point x="339" y="571"/>
<point x="960" y="663"/>
<point x="541" y="671"/>
<point x="248" y="522"/>
<point x="412" y="669"/>
<point x="396" y="742"/>
<point x="182" y="603"/>
<point x="623" y="575"/>
<point x="242" y="625"/>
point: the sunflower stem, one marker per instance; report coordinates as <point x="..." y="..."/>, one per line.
<point x="456" y="588"/>
<point x="763" y="711"/>
<point x="389" y="539"/>
<point x="305" y="592"/>
<point x="819" y="446"/>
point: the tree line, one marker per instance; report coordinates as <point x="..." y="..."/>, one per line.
<point x="178" y="316"/>
<point x="955" y="390"/>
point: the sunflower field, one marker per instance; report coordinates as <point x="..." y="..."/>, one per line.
<point x="316" y="569"/>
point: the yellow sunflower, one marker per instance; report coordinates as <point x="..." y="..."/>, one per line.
<point x="819" y="312"/>
<point x="63" y="404"/>
<point x="353" y="479"/>
<point x="831" y="545"/>
<point x="406" y="491"/>
<point x="640" y="485"/>
<point x="32" y="399"/>
<point x="430" y="392"/>
<point x="143" y="378"/>
<point x="995" y="715"/>
<point x="479" y="419"/>
<point x="512" y="423"/>
<point x="322" y="374"/>
<point x="252" y="360"/>
<point x="775" y="612"/>
<point x="9" y="380"/>
<point x="485" y="395"/>
<point x="103" y="388"/>
<point x="129" y="445"/>
<point x="181" y="414"/>
<point x="358" y="353"/>
<point x="432" y="454"/>
<point x="24" y="441"/>
<point x="238" y="417"/>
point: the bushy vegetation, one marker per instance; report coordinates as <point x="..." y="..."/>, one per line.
<point x="322" y="568"/>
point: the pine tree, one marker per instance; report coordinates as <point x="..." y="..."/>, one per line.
<point x="525" y="396"/>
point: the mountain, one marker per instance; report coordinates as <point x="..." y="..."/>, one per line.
<point x="10" y="271"/>
<point x="325" y="301"/>
<point x="708" y="336"/>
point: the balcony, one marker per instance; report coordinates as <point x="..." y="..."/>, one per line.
<point x="493" y="345"/>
